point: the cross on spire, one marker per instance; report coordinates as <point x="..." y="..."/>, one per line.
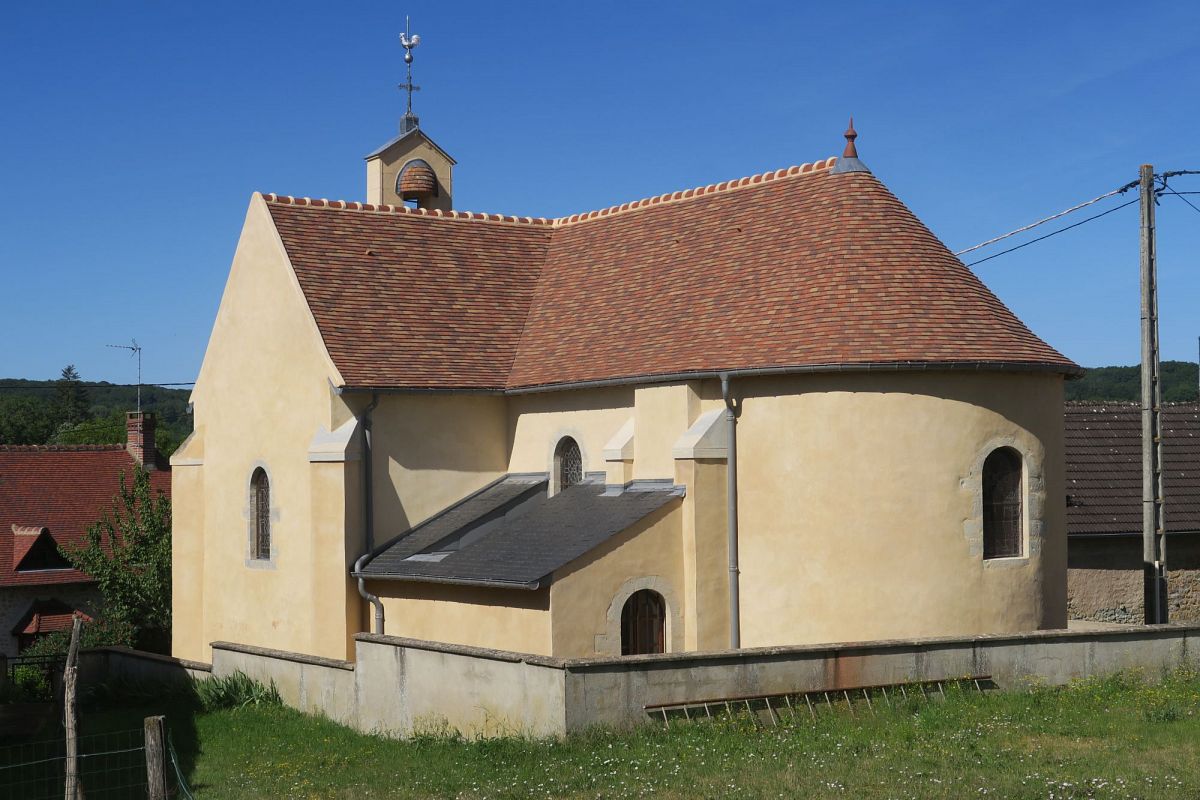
<point x="409" y="42"/>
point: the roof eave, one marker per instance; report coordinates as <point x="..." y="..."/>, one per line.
<point x="414" y="132"/>
<point x="490" y="583"/>
<point x="1071" y="372"/>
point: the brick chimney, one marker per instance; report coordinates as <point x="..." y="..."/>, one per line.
<point x="139" y="438"/>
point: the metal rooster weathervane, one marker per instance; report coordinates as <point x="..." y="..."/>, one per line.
<point x="409" y="42"/>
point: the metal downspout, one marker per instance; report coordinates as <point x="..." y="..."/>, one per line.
<point x="731" y="504"/>
<point x="369" y="514"/>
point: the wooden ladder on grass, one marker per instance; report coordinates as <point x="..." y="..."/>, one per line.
<point x="771" y="708"/>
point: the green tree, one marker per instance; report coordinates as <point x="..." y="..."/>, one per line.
<point x="128" y="552"/>
<point x="73" y="405"/>
<point x="25" y="420"/>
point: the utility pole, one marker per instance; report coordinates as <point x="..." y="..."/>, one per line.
<point x="1154" y="544"/>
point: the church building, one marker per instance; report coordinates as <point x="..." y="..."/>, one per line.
<point x="768" y="411"/>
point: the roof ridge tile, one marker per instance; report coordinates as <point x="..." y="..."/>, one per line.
<point x="570" y="219"/>
<point x="58" y="448"/>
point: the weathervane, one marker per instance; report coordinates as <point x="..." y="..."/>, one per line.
<point x="409" y="42"/>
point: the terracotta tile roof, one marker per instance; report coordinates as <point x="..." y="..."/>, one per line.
<point x="797" y="268"/>
<point x="407" y="299"/>
<point x="46" y="616"/>
<point x="1104" y="467"/>
<point x="24" y="537"/>
<point x="62" y="488"/>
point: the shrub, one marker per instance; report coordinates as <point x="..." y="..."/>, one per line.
<point x="94" y="634"/>
<point x="235" y="691"/>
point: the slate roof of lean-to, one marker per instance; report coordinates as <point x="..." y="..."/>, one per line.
<point x="515" y="535"/>
<point x="1104" y="467"/>
<point x="63" y="488"/>
<point x="800" y="268"/>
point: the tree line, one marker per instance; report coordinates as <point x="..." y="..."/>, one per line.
<point x="70" y="411"/>
<point x="1123" y="384"/>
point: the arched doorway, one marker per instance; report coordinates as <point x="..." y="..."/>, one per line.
<point x="642" y="622"/>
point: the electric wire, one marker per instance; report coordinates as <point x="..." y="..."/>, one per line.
<point x="1055" y="233"/>
<point x="59" y="385"/>
<point x="1181" y="197"/>
<point x="1050" y="218"/>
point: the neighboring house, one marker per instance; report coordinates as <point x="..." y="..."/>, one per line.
<point x="1104" y="510"/>
<point x="522" y="425"/>
<point x="49" y="496"/>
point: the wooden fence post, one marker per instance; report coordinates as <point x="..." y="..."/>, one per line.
<point x="73" y="791"/>
<point x="156" y="758"/>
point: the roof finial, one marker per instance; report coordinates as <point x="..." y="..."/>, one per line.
<point x="849" y="161"/>
<point x="409" y="42"/>
<point x="851" y="135"/>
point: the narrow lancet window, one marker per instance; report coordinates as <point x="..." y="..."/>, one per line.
<point x="260" y="507"/>
<point x="1002" y="518"/>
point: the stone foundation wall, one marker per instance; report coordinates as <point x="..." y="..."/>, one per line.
<point x="1104" y="579"/>
<point x="15" y="601"/>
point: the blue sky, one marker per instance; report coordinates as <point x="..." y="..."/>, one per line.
<point x="133" y="135"/>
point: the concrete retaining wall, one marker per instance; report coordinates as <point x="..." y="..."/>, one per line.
<point x="105" y="664"/>
<point x="310" y="683"/>
<point x="614" y="691"/>
<point x="403" y="686"/>
<point x="407" y="686"/>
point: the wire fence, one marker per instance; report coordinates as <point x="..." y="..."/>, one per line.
<point x="112" y="766"/>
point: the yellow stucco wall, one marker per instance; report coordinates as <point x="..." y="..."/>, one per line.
<point x="536" y="422"/>
<point x="187" y="561"/>
<point x="704" y="532"/>
<point x="587" y="595"/>
<point x="860" y="505"/>
<point x="431" y="451"/>
<point x="503" y="619"/>
<point x="662" y="414"/>
<point x="262" y="393"/>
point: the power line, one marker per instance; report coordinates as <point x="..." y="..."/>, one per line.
<point x="1050" y="218"/>
<point x="1181" y="197"/>
<point x="63" y="385"/>
<point x="1054" y="233"/>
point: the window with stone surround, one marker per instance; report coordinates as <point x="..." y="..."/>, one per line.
<point x="260" y="508"/>
<point x="568" y="463"/>
<point x="1002" y="506"/>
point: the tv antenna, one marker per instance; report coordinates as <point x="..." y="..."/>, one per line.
<point x="409" y="42"/>
<point x="136" y="350"/>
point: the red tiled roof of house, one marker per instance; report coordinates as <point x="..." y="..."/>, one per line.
<point x="47" y="616"/>
<point x="1104" y="467"/>
<point x="63" y="488"/>
<point x="794" y="269"/>
<point x="24" y="537"/>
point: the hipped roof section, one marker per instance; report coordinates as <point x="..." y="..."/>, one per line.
<point x="796" y="269"/>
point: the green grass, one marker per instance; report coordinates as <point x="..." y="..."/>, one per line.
<point x="1117" y="737"/>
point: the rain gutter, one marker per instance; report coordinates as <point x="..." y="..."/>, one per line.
<point x="731" y="505"/>
<point x="368" y="514"/>
<point x="676" y="377"/>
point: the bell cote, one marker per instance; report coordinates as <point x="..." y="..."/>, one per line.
<point x="411" y="169"/>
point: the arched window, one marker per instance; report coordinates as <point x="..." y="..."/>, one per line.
<point x="260" y="507"/>
<point x="568" y="463"/>
<point x="1002" y="504"/>
<point x="642" y="621"/>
